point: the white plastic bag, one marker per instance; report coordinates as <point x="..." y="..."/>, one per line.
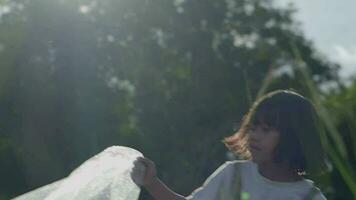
<point x="105" y="176"/>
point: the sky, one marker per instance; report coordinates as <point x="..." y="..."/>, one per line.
<point x="331" y="25"/>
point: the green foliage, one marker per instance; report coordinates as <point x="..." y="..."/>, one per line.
<point x="169" y="78"/>
<point x="335" y="140"/>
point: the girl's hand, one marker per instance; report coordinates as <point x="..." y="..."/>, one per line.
<point x="145" y="170"/>
<point x="143" y="176"/>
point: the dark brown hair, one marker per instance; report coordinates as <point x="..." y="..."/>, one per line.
<point x="295" y="118"/>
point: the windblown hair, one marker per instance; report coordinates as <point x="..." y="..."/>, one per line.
<point x="295" y="118"/>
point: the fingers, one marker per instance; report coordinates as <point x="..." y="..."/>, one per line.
<point x="138" y="172"/>
<point x="142" y="164"/>
<point x="143" y="171"/>
<point x="145" y="161"/>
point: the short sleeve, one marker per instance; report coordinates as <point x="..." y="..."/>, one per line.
<point x="210" y="189"/>
<point x="315" y="194"/>
<point x="319" y="196"/>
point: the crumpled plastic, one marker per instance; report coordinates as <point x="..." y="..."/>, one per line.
<point x="105" y="176"/>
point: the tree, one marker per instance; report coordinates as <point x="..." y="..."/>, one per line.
<point x="160" y="76"/>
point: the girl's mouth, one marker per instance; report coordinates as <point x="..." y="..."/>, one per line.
<point x="254" y="147"/>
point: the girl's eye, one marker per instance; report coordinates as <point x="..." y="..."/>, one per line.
<point x="252" y="128"/>
<point x="266" y="129"/>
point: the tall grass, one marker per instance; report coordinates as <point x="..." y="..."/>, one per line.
<point x="335" y="149"/>
<point x="331" y="138"/>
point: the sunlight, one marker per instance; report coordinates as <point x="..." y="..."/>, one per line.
<point x="84" y="9"/>
<point x="4" y="10"/>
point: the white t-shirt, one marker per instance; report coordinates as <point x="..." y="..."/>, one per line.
<point x="226" y="181"/>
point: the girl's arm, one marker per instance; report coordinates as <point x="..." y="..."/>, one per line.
<point x="151" y="182"/>
<point x="160" y="191"/>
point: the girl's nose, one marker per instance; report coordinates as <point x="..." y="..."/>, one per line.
<point x="254" y="135"/>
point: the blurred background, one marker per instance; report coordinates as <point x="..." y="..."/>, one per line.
<point x="168" y="78"/>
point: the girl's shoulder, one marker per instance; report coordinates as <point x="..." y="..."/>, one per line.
<point x="230" y="167"/>
<point x="241" y="164"/>
<point x="314" y="192"/>
<point x="237" y="162"/>
<point x="319" y="196"/>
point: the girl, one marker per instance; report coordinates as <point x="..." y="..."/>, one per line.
<point x="280" y="143"/>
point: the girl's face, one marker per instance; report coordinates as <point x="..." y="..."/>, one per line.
<point x="262" y="141"/>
